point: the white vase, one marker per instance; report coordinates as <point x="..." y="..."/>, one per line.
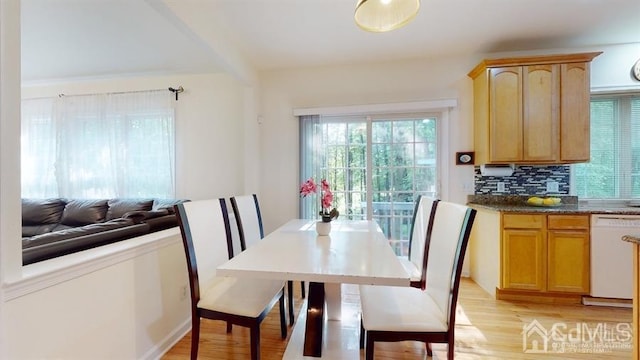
<point x="323" y="228"/>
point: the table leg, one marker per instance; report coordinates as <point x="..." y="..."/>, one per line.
<point x="315" y="320"/>
<point x="333" y="298"/>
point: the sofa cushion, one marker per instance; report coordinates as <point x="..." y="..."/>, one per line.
<point x="84" y="212"/>
<point x="33" y="230"/>
<point x="119" y="207"/>
<point x="62" y="227"/>
<point x="41" y="211"/>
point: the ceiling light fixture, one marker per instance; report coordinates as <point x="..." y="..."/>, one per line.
<point x="385" y="15"/>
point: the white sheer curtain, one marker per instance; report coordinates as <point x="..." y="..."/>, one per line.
<point x="99" y="146"/>
<point x="311" y="159"/>
<point x="38" y="148"/>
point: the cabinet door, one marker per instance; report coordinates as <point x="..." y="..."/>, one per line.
<point x="523" y="260"/>
<point x="540" y="90"/>
<point x="574" y="112"/>
<point x="568" y="262"/>
<point x="505" y="124"/>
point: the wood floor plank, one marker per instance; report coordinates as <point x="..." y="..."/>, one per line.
<point x="485" y="329"/>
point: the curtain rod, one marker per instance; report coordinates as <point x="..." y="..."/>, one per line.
<point x="177" y="90"/>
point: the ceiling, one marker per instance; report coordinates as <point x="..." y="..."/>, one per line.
<point x="97" y="38"/>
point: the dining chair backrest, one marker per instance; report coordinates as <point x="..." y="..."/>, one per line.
<point x="420" y="230"/>
<point x="451" y="229"/>
<point x="248" y="219"/>
<point x="246" y="210"/>
<point x="205" y="229"/>
<point x="235" y="234"/>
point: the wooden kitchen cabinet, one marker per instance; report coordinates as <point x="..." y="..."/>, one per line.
<point x="575" y="110"/>
<point x="505" y="87"/>
<point x="540" y="95"/>
<point x="568" y="253"/>
<point x="544" y="255"/>
<point x="532" y="110"/>
<point x="523" y="252"/>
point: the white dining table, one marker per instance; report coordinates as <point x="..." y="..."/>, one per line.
<point x="355" y="252"/>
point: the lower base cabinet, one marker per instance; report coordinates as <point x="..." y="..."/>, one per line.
<point x="544" y="256"/>
<point x="569" y="261"/>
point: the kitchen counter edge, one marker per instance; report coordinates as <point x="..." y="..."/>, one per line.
<point x="561" y="209"/>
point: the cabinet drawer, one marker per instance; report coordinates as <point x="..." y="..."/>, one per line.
<point x="569" y="222"/>
<point x="523" y="221"/>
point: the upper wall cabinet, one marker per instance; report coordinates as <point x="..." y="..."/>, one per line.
<point x="532" y="110"/>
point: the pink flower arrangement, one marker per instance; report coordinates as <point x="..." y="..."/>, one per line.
<point x="326" y="197"/>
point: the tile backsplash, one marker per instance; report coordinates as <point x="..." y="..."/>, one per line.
<point x="525" y="180"/>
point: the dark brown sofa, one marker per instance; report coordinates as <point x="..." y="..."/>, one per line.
<point x="56" y="227"/>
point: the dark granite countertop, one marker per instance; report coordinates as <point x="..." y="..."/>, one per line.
<point x="632" y="238"/>
<point x="569" y="205"/>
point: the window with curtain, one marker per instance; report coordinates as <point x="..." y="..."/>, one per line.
<point x="99" y="146"/>
<point x="614" y="169"/>
<point x="376" y="165"/>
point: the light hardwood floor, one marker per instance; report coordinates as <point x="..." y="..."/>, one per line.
<point x="485" y="329"/>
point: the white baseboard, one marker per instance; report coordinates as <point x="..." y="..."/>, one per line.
<point x="167" y="343"/>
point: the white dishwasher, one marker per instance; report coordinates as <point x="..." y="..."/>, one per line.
<point x="612" y="258"/>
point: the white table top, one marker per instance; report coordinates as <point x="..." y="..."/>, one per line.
<point x="356" y="252"/>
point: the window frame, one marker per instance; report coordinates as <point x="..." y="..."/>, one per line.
<point x="623" y="187"/>
<point x="369" y="120"/>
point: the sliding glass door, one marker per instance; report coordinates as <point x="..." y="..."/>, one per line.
<point x="376" y="166"/>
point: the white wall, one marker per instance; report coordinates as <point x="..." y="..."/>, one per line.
<point x="130" y="310"/>
<point x="251" y="159"/>
<point x="612" y="69"/>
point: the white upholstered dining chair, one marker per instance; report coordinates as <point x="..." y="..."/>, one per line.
<point x="408" y="313"/>
<point x="249" y="220"/>
<point x="205" y="229"/>
<point x="421" y="227"/>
